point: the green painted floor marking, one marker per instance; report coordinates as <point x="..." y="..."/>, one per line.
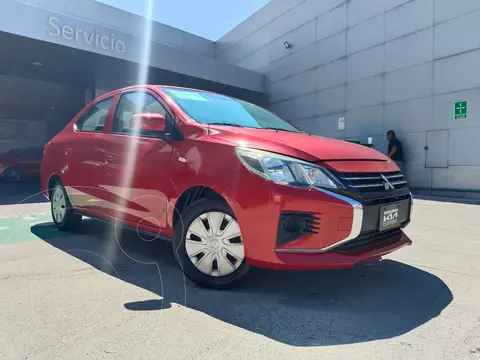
<point x="26" y="228"/>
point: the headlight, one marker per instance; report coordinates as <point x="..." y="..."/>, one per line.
<point x="286" y="170"/>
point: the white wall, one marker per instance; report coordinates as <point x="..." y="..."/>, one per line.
<point x="382" y="64"/>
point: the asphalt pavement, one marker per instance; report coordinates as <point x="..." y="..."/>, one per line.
<point x="104" y="293"/>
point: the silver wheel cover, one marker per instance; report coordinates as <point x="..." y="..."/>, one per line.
<point x="59" y="205"/>
<point x="214" y="244"/>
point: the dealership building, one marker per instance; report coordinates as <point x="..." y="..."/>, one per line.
<point x="346" y="69"/>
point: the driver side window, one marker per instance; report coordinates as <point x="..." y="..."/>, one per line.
<point x="131" y="104"/>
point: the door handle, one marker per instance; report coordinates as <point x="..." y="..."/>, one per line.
<point x="426" y="148"/>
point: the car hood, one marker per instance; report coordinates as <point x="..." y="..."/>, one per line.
<point x="299" y="145"/>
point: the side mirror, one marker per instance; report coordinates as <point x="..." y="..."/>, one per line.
<point x="146" y="122"/>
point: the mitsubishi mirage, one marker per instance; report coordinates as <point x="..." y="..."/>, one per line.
<point x="232" y="185"/>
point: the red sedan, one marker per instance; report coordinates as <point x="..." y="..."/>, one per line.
<point x="20" y="164"/>
<point x="229" y="183"/>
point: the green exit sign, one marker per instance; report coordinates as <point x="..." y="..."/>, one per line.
<point x="461" y="110"/>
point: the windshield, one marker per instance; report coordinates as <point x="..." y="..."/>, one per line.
<point x="209" y="108"/>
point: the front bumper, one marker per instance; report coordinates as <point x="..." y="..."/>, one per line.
<point x="347" y="234"/>
<point x="333" y="259"/>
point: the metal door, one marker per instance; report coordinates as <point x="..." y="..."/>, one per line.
<point x="437" y="149"/>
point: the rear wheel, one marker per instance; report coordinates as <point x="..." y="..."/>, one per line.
<point x="13" y="174"/>
<point x="208" y="245"/>
<point x="63" y="214"/>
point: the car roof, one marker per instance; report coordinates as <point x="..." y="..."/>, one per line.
<point x="148" y="86"/>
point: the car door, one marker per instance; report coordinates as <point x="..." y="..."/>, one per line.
<point x="86" y="158"/>
<point x="138" y="166"/>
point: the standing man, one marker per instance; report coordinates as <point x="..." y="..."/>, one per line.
<point x="395" y="150"/>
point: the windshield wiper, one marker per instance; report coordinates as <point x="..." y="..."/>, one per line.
<point x="225" y="124"/>
<point x="279" y="129"/>
<point x="250" y="127"/>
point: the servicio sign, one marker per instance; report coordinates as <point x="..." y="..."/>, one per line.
<point x="91" y="38"/>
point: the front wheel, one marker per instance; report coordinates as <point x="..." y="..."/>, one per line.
<point x="63" y="214"/>
<point x="208" y="245"/>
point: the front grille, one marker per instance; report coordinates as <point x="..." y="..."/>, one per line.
<point x="374" y="182"/>
<point x="368" y="239"/>
<point x="385" y="200"/>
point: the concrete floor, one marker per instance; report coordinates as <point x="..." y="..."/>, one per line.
<point x="85" y="295"/>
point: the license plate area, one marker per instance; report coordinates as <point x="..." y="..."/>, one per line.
<point x="390" y="217"/>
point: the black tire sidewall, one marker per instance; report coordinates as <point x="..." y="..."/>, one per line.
<point x="179" y="247"/>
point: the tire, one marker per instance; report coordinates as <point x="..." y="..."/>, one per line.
<point x="63" y="215"/>
<point x="222" y="265"/>
<point x="13" y="175"/>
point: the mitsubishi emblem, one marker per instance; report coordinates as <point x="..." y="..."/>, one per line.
<point x="387" y="185"/>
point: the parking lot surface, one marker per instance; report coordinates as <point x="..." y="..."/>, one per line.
<point x="103" y="293"/>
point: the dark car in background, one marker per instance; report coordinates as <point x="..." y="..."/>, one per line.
<point x="21" y="164"/>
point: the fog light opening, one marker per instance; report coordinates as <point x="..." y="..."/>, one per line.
<point x="293" y="224"/>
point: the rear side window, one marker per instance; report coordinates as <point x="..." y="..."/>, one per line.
<point x="93" y="120"/>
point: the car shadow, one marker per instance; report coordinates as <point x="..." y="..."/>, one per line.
<point x="373" y="301"/>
